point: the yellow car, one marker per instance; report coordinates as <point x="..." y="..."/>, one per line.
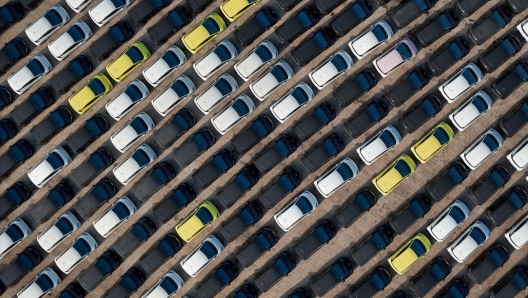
<point x="85" y="98"/>
<point x="432" y="142"/>
<point x="394" y="174"/>
<point x="232" y="9"/>
<point x="121" y="67"/>
<point x="408" y="254"/>
<point x="198" y="37"/>
<point x="198" y="220"/>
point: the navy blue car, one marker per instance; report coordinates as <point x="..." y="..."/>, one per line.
<point x="331" y="276"/>
<point x="314" y="239"/>
<point x="518" y="5"/>
<point x="436" y="27"/>
<point x="418" y="114"/>
<point x="234" y="189"/>
<point x="88" y="133"/>
<point x="107" y="43"/>
<point x="429" y="277"/>
<point x="193" y="147"/>
<point x="255" y="246"/>
<point x="96" y="163"/>
<point x="367" y="248"/>
<point x="321" y="153"/>
<point x="275" y="153"/>
<point x="37" y="102"/>
<point x="255" y="26"/>
<point x="12" y="52"/>
<point x="245" y="291"/>
<point x="407" y="87"/>
<point x="10" y="13"/>
<point x="512" y="284"/>
<point x="297" y="24"/>
<point x="447" y="55"/>
<point x="180" y="123"/>
<point x="53" y="124"/>
<point x="103" y="191"/>
<point x="212" y="284"/>
<point x="372" y="284"/>
<point x="13" y="197"/>
<point x="17" y="154"/>
<point x="253" y="133"/>
<point x="179" y="198"/>
<point x="154" y="180"/>
<point x="169" y="24"/>
<point x="489" y="261"/>
<point x="359" y="203"/>
<point x="500" y="52"/>
<point x="214" y="168"/>
<point x="366" y="117"/>
<point x="456" y="288"/>
<point x="128" y="284"/>
<point x="350" y="17"/>
<point x="7" y="130"/>
<point x="314" y="121"/>
<point x="313" y="46"/>
<point x="282" y="185"/>
<point x="146" y="9"/>
<point x="249" y="215"/>
<point x="77" y="69"/>
<point x="468" y="7"/>
<point x="56" y="198"/>
<point x="402" y="219"/>
<point x="442" y="184"/>
<point x="489" y="184"/>
<point x="28" y="259"/>
<point x="299" y="293"/>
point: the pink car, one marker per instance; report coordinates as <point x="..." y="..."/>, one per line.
<point x="392" y="59"/>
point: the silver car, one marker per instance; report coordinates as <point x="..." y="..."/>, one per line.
<point x="131" y="132"/>
<point x="370" y="39"/>
<point x="28" y="75"/>
<point x="134" y="164"/>
<point x="59" y="230"/>
<point x="233" y="113"/>
<point x="518" y="234"/>
<point x="114" y="216"/>
<point x="224" y="86"/>
<point x="103" y="12"/>
<point x="292" y="101"/>
<point x="482" y="148"/>
<point x="448" y="220"/>
<point x="12" y="235"/>
<point x="49" y="23"/>
<point x="296" y="210"/>
<point x="330" y="69"/>
<point x="260" y="56"/>
<point x="159" y="291"/>
<point x="180" y="89"/>
<point x="471" y="110"/>
<point x="268" y="82"/>
<point x="217" y="57"/>
<point x="469" y="241"/>
<point x="133" y="94"/>
<point x="169" y="61"/>
<point x="379" y="144"/>
<point x="73" y="255"/>
<point x="202" y="255"/>
<point x="70" y="40"/>
<point x="41" y="285"/>
<point x="52" y="164"/>
<point x="336" y="177"/>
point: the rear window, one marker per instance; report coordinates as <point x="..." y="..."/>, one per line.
<point x="97" y="87"/>
<point x="97" y="161"/>
<point x="139" y="125"/>
<point x="134" y="93"/>
<point x="477" y="235"/>
<point x="240" y="107"/>
<point x="262" y="19"/>
<point x="339" y="63"/>
<point x="516" y="201"/>
<point x="159" y="175"/>
<point x="286" y="183"/>
<point x="281" y="147"/>
<point x="378" y="240"/>
<point x="305" y="20"/>
<point x="169" y="285"/>
<point x="404" y="50"/>
<point x="117" y="34"/>
<point x="243" y="182"/>
<point x="260" y="128"/>
<point x="134" y="54"/>
<point x="388" y="139"/>
<point x="14" y="232"/>
<point x="373" y="112"/>
<point x="223" y="53"/>
<point x="437" y="271"/>
<point x="480" y="104"/>
<point x="220" y="163"/>
<point x="204" y="216"/>
<point x="300" y="95"/>
<point x="380" y="33"/>
<point x="491" y="142"/>
<point x="224" y="87"/>
<point x="363" y="202"/>
<point x="519" y="281"/>
<point x="281" y="266"/>
<point x="53" y="17"/>
<point x="263" y="241"/>
<point x="263" y="53"/>
<point x="455" y="175"/>
<point x="441" y="135"/>
<point x="121" y="211"/>
<point x="104" y="266"/>
<point x="498" y="19"/>
<point x="320" y="114"/>
<point x="496" y="258"/>
<point x="141" y="158"/>
<point x="64" y="226"/>
<point x="418" y="248"/>
<point x="455" y="49"/>
<point x="101" y="193"/>
<point x="76" y="33"/>
<point x="415" y="80"/>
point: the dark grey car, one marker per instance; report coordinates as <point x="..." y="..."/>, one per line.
<point x="139" y="233"/>
<point x="489" y="261"/>
<point x="279" y="188"/>
<point x="93" y="166"/>
<point x="247" y="217"/>
<point x="98" y="271"/>
<point x="255" y="246"/>
<point x="359" y="203"/>
<point x="274" y="271"/>
<point x="314" y="239"/>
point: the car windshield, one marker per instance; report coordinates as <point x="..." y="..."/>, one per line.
<point x="176" y="19"/>
<point x="496" y="258"/>
<point x="304" y="205"/>
<point x="57" y="119"/>
<point x="281" y="147"/>
<point x="121" y="210"/>
<point x="180" y="122"/>
<point x="140" y="232"/>
<point x="25" y="261"/>
<point x="300" y="95"/>
<point x="497" y="178"/>
<point x="418" y="248"/>
<point x="470" y="76"/>
<point x="179" y="196"/>
<point x="93" y="128"/>
<point x="377" y="281"/>
<point x="417" y="208"/>
<point x="516" y="201"/>
<point x="240" y="107"/>
<point x="97" y="161"/>
<point x="477" y="235"/>
<point x="279" y="73"/>
<point x="13" y="196"/>
<point x="44" y="282"/>
<point x="243" y="181"/>
<point x="223" y="53"/>
<point x="222" y="275"/>
<point x="117" y="34"/>
<point x="118" y="3"/>
<point x="64" y="226"/>
<point x="209" y="250"/>
<point x="200" y="141"/>
<point x="169" y="285"/>
<point x="285" y="182"/>
<point x="339" y="62"/>
<point x="12" y="51"/>
<point x="204" y="215"/>
<point x="82" y="247"/>
<point x="96" y="86"/>
<point x="491" y="142"/>
<point x="420" y="4"/>
<point x="378" y="240"/>
<point x="415" y="80"/>
<point x="388" y="139"/>
<point x="264" y="53"/>
<point x="402" y="167"/>
<point x="281" y="266"/>
<point x="519" y="281"/>
<point x="455" y="49"/>
<point x="37" y="101"/>
<point x="224" y="87"/>
<point x="338" y="272"/>
<point x="157" y="3"/>
<point x="479" y="104"/>
<point x="455" y="175"/>
<point x="508" y="47"/>
<point x="441" y="135"/>
<point x="220" y="163"/>
<point x="129" y="283"/>
<point x="321" y="41"/>
<point x="180" y="88"/>
<point x="330" y="147"/>
<point x="373" y="112"/>
<point x="304" y="18"/>
<point x="134" y="93"/>
<point x="404" y="50"/>
<point x="141" y="158"/>
<point x="437" y="271"/>
<point x="444" y="22"/>
<point x="100" y="192"/>
<point x="76" y="68"/>
<point x="457" y="214"/>
<point x="454" y="292"/>
<point x="35" y="67"/>
<point x="56" y="198"/>
<point x="247" y="217"/>
<point x="159" y="175"/>
<point x="345" y="171"/>
<point x="521" y="72"/>
<point x="14" y="232"/>
<point x="171" y="59"/>
<point x="211" y="26"/>
<point x="262" y="19"/>
<point x="134" y="54"/>
<point x="166" y="248"/>
<point x="76" y="33"/>
<point x="498" y="19"/>
<point x="363" y="202"/>
<point x="321" y="234"/>
<point x="104" y="266"/>
<point x="263" y="241"/>
<point x="55" y="160"/>
<point x="359" y="11"/>
<point x="380" y="33"/>
<point x="139" y="125"/>
<point x="17" y="153"/>
<point x="320" y="114"/>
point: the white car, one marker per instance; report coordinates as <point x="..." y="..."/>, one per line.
<point x="336" y="177"/>
<point x="471" y="110"/>
<point x="272" y="79"/>
<point x="204" y="253"/>
<point x="519" y="155"/>
<point x="466" y="78"/>
<point x="12" y="235"/>
<point x="217" y="57"/>
<point x="295" y="99"/>
<point x="158" y="71"/>
<point x="70" y="40"/>
<point x="114" y="216"/>
<point x="233" y="113"/>
<point x="78" y="5"/>
<point x="167" y="286"/>
<point x="224" y="86"/>
<point x="398" y="55"/>
<point x="296" y="210"/>
<point x="482" y="148"/>
<point x="260" y="56"/>
<point x="168" y="99"/>
<point x="52" y="164"/>
<point x="518" y="234"/>
<point x="76" y="252"/>
<point x="134" y="163"/>
<point x="379" y="144"/>
<point x="41" y="285"/>
<point x="448" y="220"/>
<point x="523" y="29"/>
<point x="131" y="132"/>
<point x="133" y="94"/>
<point x="330" y="69"/>
<point x="46" y="25"/>
<point x="103" y="12"/>
<point x="61" y="229"/>
<point x="28" y="75"/>
<point x="469" y="241"/>
<point x="370" y="39"/>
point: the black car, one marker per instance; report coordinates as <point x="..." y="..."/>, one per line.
<point x="330" y="276"/>
<point x="253" y="133"/>
<point x="409" y="11"/>
<point x="12" y="52"/>
<point x="313" y="46"/>
<point x="53" y="201"/>
<point x="212" y="284"/>
<point x="468" y="7"/>
<point x="28" y="259"/>
<point x="407" y="87"/>
<point x="128" y="284"/>
<point x="489" y="184"/>
<point x="198" y="5"/>
<point x="355" y="87"/>
<point x="282" y="185"/>
<point x="6" y="98"/>
<point x="71" y="291"/>
<point x="245" y="291"/>
<point x="417" y="115"/>
<point x="457" y="288"/>
<point x="154" y="180"/>
<point x="88" y="133"/>
<point x="402" y="219"/>
<point x="15" y="195"/>
<point x="499" y="53"/>
<point x="372" y="284"/>
<point x="146" y="9"/>
<point x="30" y="4"/>
<point x="511" y="285"/>
<point x="360" y="203"/>
<point x="17" y="154"/>
<point x="247" y="217"/>
<point x="237" y="186"/>
<point x="255" y="246"/>
<point x="366" y="117"/>
<point x="197" y="144"/>
<point x="179" y="198"/>
<point x="322" y="152"/>
<point x="180" y="123"/>
<point x="255" y="26"/>
<point x="98" y="271"/>
<point x="314" y="121"/>
<point x="274" y="271"/>
<point x="350" y="17"/>
<point x="160" y="253"/>
<point x="96" y="163"/>
<point x="169" y="24"/>
<point x="447" y="180"/>
<point x="213" y="168"/>
<point x="107" y="43"/>
<point x="368" y="247"/>
<point x="488" y="25"/>
<point x="77" y="69"/>
<point x="297" y="24"/>
<point x="103" y="191"/>
<point x="53" y="124"/>
<point x="10" y="13"/>
<point x="134" y="237"/>
<point x="447" y="56"/>
<point x="515" y="119"/>
<point x="274" y="154"/>
<point x="511" y="79"/>
<point x="314" y="239"/>
<point x="517" y="5"/>
<point x="37" y="102"/>
<point x="429" y="277"/>
<point x="7" y="130"/>
<point x="326" y="6"/>
<point x="489" y="261"/>
<point x="436" y="28"/>
<point x="506" y="206"/>
<point x="287" y="5"/>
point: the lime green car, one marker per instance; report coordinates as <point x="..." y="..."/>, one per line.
<point x="121" y="67"/>
<point x="433" y="141"/>
<point x="410" y="253"/>
<point x="232" y="9"/>
<point x="198" y="37"/>
<point x="198" y="220"/>
<point x="394" y="174"/>
<point x="90" y="94"/>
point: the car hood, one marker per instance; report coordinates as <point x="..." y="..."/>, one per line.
<point x="287" y="106"/>
<point x="465" y="248"/>
<point x="233" y="7"/>
<point x="102" y="10"/>
<point x="249" y="65"/>
<point x="67" y="259"/>
<point x="126" y="169"/>
<point x="265" y="85"/>
<point x="119" y="105"/>
<point x="38" y="29"/>
<point x="466" y="115"/>
<point x="208" y="64"/>
<point x="124" y="137"/>
<point x="31" y="292"/>
<point x="50" y="238"/>
<point x="190" y="228"/>
<point x="390" y="61"/>
<point x="478" y="154"/>
<point x="209" y="98"/>
<point x="456" y="87"/>
<point x="389" y="180"/>
<point x="365" y="43"/>
<point x="5" y="242"/>
<point x="404" y="260"/>
<point x="373" y="150"/>
<point x="290" y="216"/>
<point x="157" y="70"/>
<point x="331" y="182"/>
<point x="195" y="262"/>
<point x="166" y="100"/>
<point x="444" y="227"/>
<point x="227" y="118"/>
<point x="325" y="73"/>
<point x="42" y="171"/>
<point x="428" y="147"/>
<point x="62" y="43"/>
<point x="108" y="222"/>
<point x="21" y="77"/>
<point x="196" y="37"/>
